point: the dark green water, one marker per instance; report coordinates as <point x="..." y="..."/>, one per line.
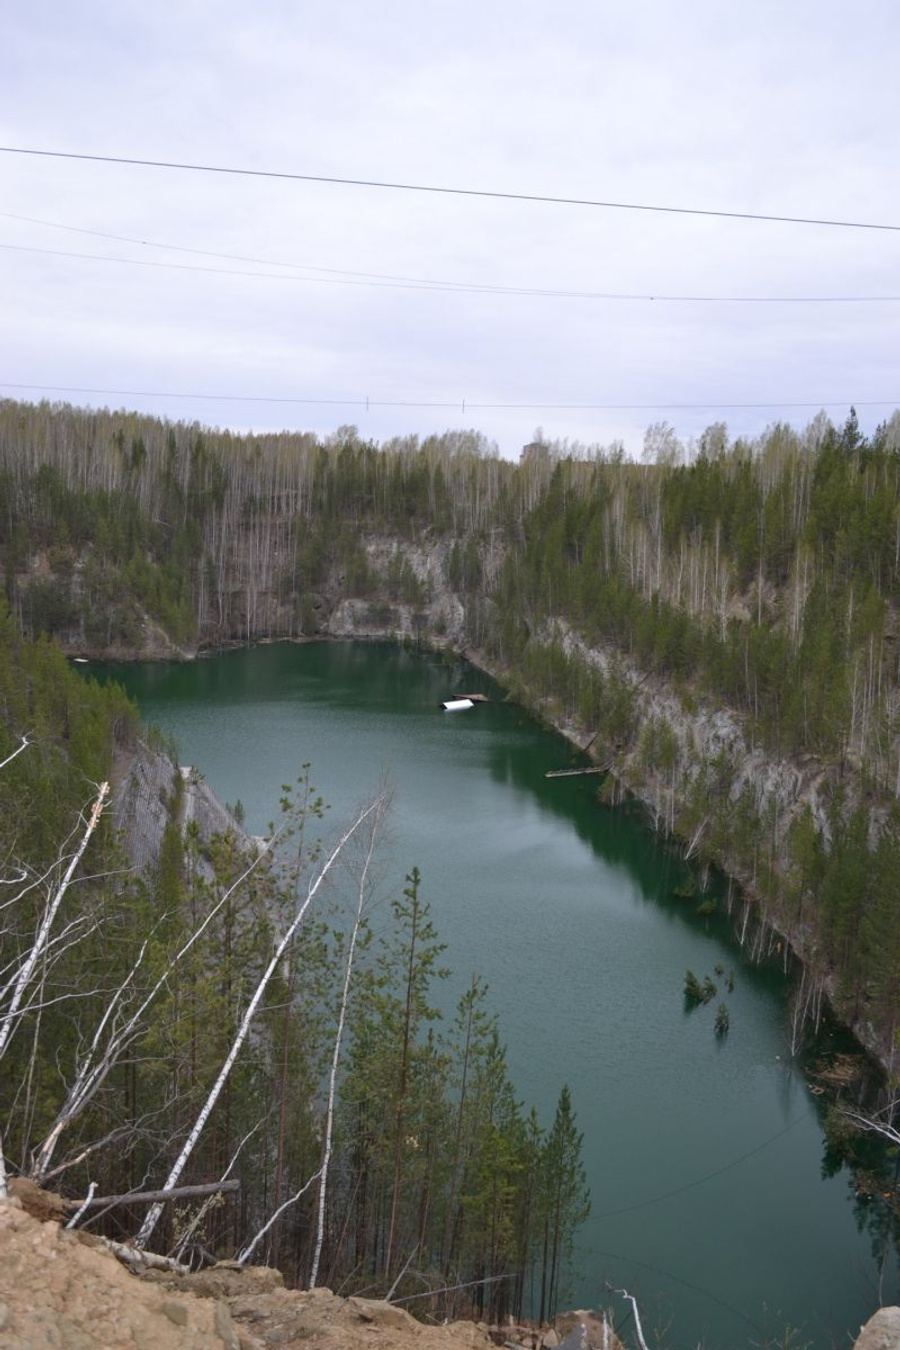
<point x="566" y="909"/>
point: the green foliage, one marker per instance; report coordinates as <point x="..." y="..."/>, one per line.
<point x="763" y="577"/>
<point x="698" y="991"/>
<point x="433" y="1153"/>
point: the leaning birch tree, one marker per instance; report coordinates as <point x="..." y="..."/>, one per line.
<point x="362" y="897"/>
<point x="325" y="868"/>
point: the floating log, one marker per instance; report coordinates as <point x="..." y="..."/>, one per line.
<point x="474" y="698"/>
<point x="575" y="773"/>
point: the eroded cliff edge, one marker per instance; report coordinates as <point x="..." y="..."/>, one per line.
<point x="733" y="801"/>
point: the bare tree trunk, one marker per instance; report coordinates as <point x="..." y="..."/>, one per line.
<point x="639" y="1330"/>
<point x="332" y="1079"/>
<point x="9" y="758"/>
<point x="99" y="1059"/>
<point x="26" y="970"/>
<point x="150" y="1222"/>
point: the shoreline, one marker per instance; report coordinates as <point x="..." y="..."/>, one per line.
<point x="767" y="931"/>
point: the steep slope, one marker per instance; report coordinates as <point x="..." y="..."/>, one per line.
<point x="61" y="1289"/>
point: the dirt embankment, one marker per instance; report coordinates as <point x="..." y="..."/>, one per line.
<point x="62" y="1290"/>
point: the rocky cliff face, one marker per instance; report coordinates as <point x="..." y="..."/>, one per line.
<point x="150" y="792"/>
<point x="708" y="769"/>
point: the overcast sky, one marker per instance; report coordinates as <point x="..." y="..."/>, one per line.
<point x="788" y="108"/>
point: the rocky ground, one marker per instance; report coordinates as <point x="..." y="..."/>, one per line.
<point x="62" y="1290"/>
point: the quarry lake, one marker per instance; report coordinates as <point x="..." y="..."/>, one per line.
<point x="704" y="1155"/>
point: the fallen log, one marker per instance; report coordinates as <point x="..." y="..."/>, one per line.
<point x="154" y="1197"/>
<point x="140" y="1261"/>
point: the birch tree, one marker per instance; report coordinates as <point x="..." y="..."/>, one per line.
<point x="316" y="883"/>
<point x="363" y="895"/>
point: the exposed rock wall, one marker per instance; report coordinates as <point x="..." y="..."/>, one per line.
<point x="710" y="741"/>
<point x="707" y="734"/>
<point x="146" y="793"/>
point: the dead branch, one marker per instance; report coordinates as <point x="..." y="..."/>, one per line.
<point x="202" y="1211"/>
<point x="452" y="1288"/>
<point x="695" y="841"/>
<point x="73" y="1222"/>
<point x="873" y="1125"/>
<point x="246" y="1252"/>
<point x="120" y="1132"/>
<point x="9" y="758"/>
<point x="393" y="1289"/>
<point x="96" y="1065"/>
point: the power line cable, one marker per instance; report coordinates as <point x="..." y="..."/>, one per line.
<point x="450" y="191"/>
<point x="265" y="262"/>
<point x="224" y="271"/>
<point x="454" y="288"/>
<point x="464" y="405"/>
<point x="700" y="1181"/>
<point x="231" y="257"/>
<point x="344" y="276"/>
<point x="688" y="1284"/>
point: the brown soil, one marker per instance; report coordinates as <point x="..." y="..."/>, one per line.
<point x="63" y="1290"/>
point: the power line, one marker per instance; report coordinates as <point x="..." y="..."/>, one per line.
<point x="700" y="1181"/>
<point x="228" y="257"/>
<point x="228" y="271"/>
<point x="688" y="1284"/>
<point x="450" y="191"/>
<point x="346" y="277"/>
<point x="464" y="405"/>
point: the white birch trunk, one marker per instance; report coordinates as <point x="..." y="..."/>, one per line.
<point x="150" y="1222"/>
<point x="39" y="945"/>
<point x="335" y="1058"/>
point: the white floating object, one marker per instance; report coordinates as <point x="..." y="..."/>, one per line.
<point x="81" y="660"/>
<point x="457" y="704"/>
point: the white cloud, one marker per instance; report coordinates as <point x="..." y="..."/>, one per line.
<point x="782" y="108"/>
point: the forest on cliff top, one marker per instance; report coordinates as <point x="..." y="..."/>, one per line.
<point x="759" y="578"/>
